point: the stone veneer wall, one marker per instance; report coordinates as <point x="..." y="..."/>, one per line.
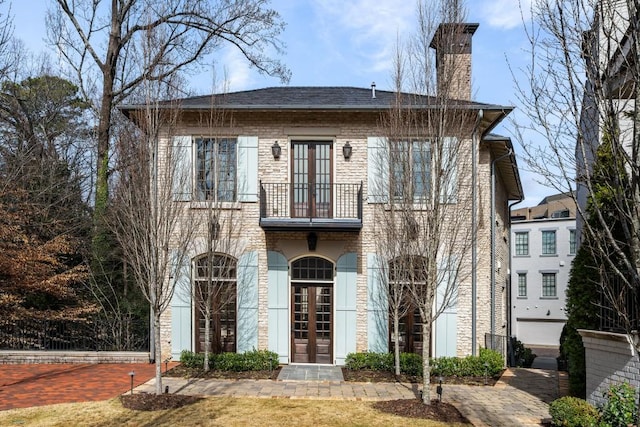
<point x="14" y="357"/>
<point x="610" y="359"/>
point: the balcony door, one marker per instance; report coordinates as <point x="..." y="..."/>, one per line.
<point x="311" y="180"/>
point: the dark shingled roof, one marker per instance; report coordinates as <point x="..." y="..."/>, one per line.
<point x="313" y="98"/>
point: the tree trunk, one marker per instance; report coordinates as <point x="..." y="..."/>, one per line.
<point x="426" y="366"/>
<point x="396" y="334"/>
<point x="158" y="351"/>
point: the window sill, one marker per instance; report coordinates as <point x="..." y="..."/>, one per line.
<point x="519" y="297"/>
<point x="216" y="205"/>
<point x="522" y="256"/>
<point x="548" y="255"/>
<point x="549" y="297"/>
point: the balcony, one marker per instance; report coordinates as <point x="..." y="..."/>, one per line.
<point x="306" y="207"/>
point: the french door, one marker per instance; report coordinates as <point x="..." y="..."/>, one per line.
<point x="311" y="310"/>
<point x="311" y="179"/>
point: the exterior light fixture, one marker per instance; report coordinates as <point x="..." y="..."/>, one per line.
<point x="132" y="374"/>
<point x="312" y="241"/>
<point x="347" y="150"/>
<point x="486" y="373"/>
<point x="439" y="389"/>
<point x="276" y="150"/>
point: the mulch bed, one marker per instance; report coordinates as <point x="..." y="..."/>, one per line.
<point x="183" y="372"/>
<point x="414" y="408"/>
<point x="156" y="402"/>
<point x="370" y="376"/>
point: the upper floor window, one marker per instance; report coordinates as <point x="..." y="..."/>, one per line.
<point x="549" y="242"/>
<point x="549" y="285"/>
<point x="522" y="284"/>
<point x="522" y="243"/>
<point x="572" y="242"/>
<point x="410" y="164"/>
<point x="216" y="169"/>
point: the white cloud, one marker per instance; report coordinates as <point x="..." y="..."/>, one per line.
<point x="504" y="14"/>
<point x="368" y="28"/>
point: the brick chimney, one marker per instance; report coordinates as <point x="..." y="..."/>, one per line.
<point x="452" y="43"/>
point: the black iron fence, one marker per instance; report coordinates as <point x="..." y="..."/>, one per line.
<point x="619" y="306"/>
<point x="74" y="335"/>
<point x="496" y="342"/>
<point x="303" y="200"/>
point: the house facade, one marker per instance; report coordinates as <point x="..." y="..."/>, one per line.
<point x="543" y="247"/>
<point x="297" y="179"/>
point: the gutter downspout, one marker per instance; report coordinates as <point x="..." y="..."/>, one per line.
<point x="510" y="353"/>
<point x="475" y="140"/>
<point x="493" y="245"/>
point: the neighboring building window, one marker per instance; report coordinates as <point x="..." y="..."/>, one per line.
<point x="522" y="243"/>
<point x="549" y="285"/>
<point x="410" y="165"/>
<point x="549" y="242"/>
<point x="522" y="284"/>
<point x="572" y="242"/>
<point x="216" y="169"/>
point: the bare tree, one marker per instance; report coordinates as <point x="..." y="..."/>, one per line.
<point x="214" y="292"/>
<point x="100" y="40"/>
<point x="582" y="92"/>
<point x="424" y="233"/>
<point x="146" y="221"/>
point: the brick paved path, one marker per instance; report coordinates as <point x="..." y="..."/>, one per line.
<point x="23" y="386"/>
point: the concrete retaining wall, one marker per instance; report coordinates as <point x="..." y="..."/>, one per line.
<point x="610" y="359"/>
<point x="14" y="357"/>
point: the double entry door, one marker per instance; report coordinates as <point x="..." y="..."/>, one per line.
<point x="312" y="311"/>
<point x="311" y="179"/>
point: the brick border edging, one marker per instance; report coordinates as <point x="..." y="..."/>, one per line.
<point x="28" y="357"/>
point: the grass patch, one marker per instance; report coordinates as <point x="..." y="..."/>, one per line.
<point x="214" y="411"/>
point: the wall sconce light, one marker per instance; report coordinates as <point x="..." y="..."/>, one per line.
<point x="347" y="150"/>
<point x="276" y="150"/>
<point x="312" y="241"/>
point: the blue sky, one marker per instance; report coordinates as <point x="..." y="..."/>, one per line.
<point x="351" y="42"/>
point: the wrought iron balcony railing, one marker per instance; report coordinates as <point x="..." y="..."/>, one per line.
<point x="303" y="206"/>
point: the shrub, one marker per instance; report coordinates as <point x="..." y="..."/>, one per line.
<point x="523" y="355"/>
<point x="190" y="359"/>
<point x="468" y="366"/>
<point x="620" y="409"/>
<point x="493" y="361"/>
<point x="255" y="360"/>
<point x="573" y="412"/>
<point x="445" y="366"/>
<point x="411" y="364"/>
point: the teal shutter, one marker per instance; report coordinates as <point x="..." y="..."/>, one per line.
<point x="247" y="168"/>
<point x="345" y="297"/>
<point x="377" y="170"/>
<point x="182" y="168"/>
<point x="446" y="325"/>
<point x="449" y="165"/>
<point x="247" y="322"/>
<point x="278" y="305"/>
<point x="181" y="330"/>
<point x="377" y="306"/>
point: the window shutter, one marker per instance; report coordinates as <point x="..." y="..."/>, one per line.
<point x="446" y="325"/>
<point x="377" y="170"/>
<point x="182" y="171"/>
<point x="345" y="320"/>
<point x="278" y="305"/>
<point x="247" y="332"/>
<point x="449" y="171"/>
<point x="180" y="305"/>
<point x="247" y="168"/>
<point x="377" y="306"/>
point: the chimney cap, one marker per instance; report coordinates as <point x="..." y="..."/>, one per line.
<point x="463" y="33"/>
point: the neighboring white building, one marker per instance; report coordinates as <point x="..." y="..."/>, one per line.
<point x="543" y="245"/>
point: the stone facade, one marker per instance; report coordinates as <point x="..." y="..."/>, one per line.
<point x="338" y="128"/>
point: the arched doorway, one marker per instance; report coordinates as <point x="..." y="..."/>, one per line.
<point x="312" y="310"/>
